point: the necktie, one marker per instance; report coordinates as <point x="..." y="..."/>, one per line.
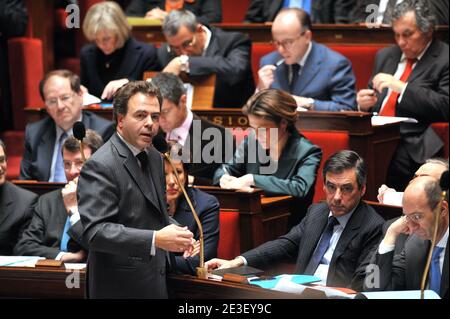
<point x="65" y="236"/>
<point x="294" y="70"/>
<point x="307" y="5"/>
<point x="389" y="107"/>
<point x="143" y="159"/>
<point x="435" y="270"/>
<point x="59" y="175"/>
<point x="322" y="247"/>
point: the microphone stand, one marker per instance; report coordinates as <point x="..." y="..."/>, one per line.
<point x="433" y="243"/>
<point x="201" y="270"/>
<point x="83" y="158"/>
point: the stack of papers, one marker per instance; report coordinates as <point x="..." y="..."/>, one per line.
<point x="19" y="261"/>
<point x="406" y="294"/>
<point x="383" y="120"/>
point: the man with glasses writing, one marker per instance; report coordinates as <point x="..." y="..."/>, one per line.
<point x="317" y="77"/>
<point x="200" y="50"/>
<point x="42" y="160"/>
<point x="55" y="230"/>
<point x="334" y="239"/>
<point x="403" y="270"/>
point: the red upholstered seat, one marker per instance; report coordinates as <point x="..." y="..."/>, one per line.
<point x="330" y="142"/>
<point x="14" y="141"/>
<point x="26" y="70"/>
<point x="442" y="130"/>
<point x="362" y="58"/>
<point x="230" y="238"/>
<point x="234" y="11"/>
<point x="72" y="64"/>
<point x="258" y="51"/>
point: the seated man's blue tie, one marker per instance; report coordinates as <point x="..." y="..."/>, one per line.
<point x="302" y="4"/>
<point x="435" y="270"/>
<point x="322" y="247"/>
<point x="65" y="236"/>
<point x="59" y="175"/>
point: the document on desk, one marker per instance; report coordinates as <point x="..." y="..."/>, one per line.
<point x="295" y="279"/>
<point x="285" y="284"/>
<point x="19" y="261"/>
<point x="75" y="266"/>
<point x="405" y="294"/>
<point x="89" y="99"/>
<point x="378" y="120"/>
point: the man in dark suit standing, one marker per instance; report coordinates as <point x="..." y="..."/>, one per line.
<point x="121" y="200"/>
<point x="55" y="230"/>
<point x="403" y="270"/>
<point x="199" y="50"/>
<point x="191" y="133"/>
<point x="411" y="79"/>
<point x="334" y="238"/>
<point x="15" y="208"/>
<point x="42" y="160"/>
<point x="317" y="77"/>
<point x="321" y="11"/>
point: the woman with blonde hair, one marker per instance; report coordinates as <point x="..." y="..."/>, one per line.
<point x="115" y="57"/>
<point x="274" y="157"/>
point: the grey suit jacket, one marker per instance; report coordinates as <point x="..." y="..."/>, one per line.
<point x="120" y="209"/>
<point x="403" y="271"/>
<point x="348" y="263"/>
<point x="43" y="235"/>
<point x="40" y="142"/>
<point x="228" y="56"/>
<point x="426" y="97"/>
<point x="16" y="206"/>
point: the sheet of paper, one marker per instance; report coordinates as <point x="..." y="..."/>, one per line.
<point x="75" y="266"/>
<point x="405" y="294"/>
<point x="89" y="99"/>
<point x="189" y="95"/>
<point x="393" y="198"/>
<point x="383" y="120"/>
<point x="19" y="261"/>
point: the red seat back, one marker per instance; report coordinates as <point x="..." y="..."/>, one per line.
<point x="234" y="11"/>
<point x="26" y="69"/>
<point x="441" y="129"/>
<point x="258" y="51"/>
<point x="229" y="238"/>
<point x="330" y="143"/>
<point x="362" y="58"/>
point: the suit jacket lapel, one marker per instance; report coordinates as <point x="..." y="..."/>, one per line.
<point x="425" y="62"/>
<point x="6" y="209"/>
<point x="282" y="76"/>
<point x="131" y="165"/>
<point x="213" y="47"/>
<point x="154" y="159"/>
<point x="275" y="6"/>
<point x="309" y="71"/>
<point x="444" y="278"/>
<point x="45" y="150"/>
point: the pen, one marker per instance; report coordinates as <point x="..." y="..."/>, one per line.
<point x="280" y="62"/>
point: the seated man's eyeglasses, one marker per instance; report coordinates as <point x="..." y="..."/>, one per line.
<point x="185" y="45"/>
<point x="287" y="43"/>
<point x="68" y="164"/>
<point x="66" y="98"/>
<point x="413" y="218"/>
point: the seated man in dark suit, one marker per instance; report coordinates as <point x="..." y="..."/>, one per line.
<point x="55" y="231"/>
<point x="321" y="11"/>
<point x="411" y="79"/>
<point x="334" y="238"/>
<point x="404" y="270"/>
<point x="187" y="129"/>
<point x="62" y="95"/>
<point x="199" y="50"/>
<point x="15" y="208"/>
<point x="207" y="11"/>
<point x="317" y="77"/>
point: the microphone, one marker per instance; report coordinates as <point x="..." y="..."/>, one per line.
<point x="160" y="144"/>
<point x="443" y="183"/>
<point x="79" y="132"/>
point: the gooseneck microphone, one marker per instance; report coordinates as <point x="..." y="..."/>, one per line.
<point x="443" y="183"/>
<point x="160" y="143"/>
<point x="79" y="132"/>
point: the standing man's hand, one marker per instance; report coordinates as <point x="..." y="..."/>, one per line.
<point x="174" y="238"/>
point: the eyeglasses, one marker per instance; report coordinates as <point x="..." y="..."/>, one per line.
<point x="65" y="99"/>
<point x="414" y="218"/>
<point x="68" y="164"/>
<point x="287" y="43"/>
<point x="185" y="45"/>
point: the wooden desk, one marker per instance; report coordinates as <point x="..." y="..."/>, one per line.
<point x="386" y="211"/>
<point x="18" y="282"/>
<point x="322" y="33"/>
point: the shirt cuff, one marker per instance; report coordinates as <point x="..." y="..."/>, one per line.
<point x="153" y="249"/>
<point x="59" y="256"/>
<point x="384" y="249"/>
<point x="75" y="217"/>
<point x="243" y="259"/>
